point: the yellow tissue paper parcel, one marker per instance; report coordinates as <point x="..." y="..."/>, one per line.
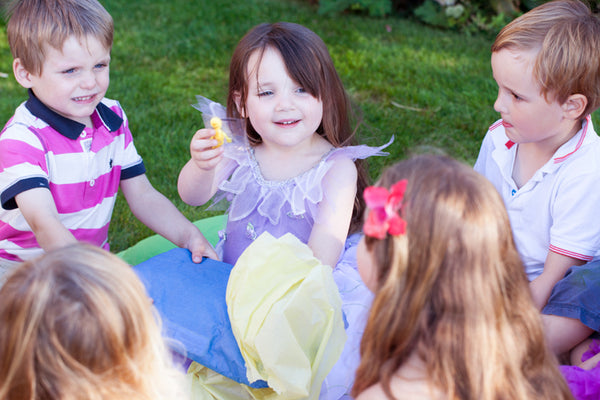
<point x="285" y="313"/>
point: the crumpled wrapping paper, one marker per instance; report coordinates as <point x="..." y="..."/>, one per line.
<point x="286" y="316"/>
<point x="190" y="299"/>
<point x="207" y="384"/>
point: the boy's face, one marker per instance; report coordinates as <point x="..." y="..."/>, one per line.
<point x="74" y="80"/>
<point x="526" y="115"/>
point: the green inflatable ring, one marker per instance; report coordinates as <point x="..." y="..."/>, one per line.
<point x="156" y="244"/>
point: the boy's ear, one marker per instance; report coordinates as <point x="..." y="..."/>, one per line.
<point x="22" y="76"/>
<point x="574" y="106"/>
<point x="237" y="98"/>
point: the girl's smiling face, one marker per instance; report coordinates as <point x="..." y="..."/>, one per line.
<point x="280" y="110"/>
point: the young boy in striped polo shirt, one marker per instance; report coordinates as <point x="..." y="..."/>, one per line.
<point x="67" y="149"/>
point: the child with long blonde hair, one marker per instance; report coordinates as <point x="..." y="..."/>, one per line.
<point x="453" y="316"/>
<point x="76" y="323"/>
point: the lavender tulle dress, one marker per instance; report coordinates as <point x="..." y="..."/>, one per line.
<point x="584" y="383"/>
<point x="258" y="205"/>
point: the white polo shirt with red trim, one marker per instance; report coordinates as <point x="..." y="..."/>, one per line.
<point x="82" y="167"/>
<point x="558" y="209"/>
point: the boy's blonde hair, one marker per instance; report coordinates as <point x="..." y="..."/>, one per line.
<point x="34" y="24"/>
<point x="453" y="291"/>
<point x="76" y="323"/>
<point x="566" y="35"/>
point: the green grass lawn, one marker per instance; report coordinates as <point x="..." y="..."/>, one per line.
<point x="427" y="87"/>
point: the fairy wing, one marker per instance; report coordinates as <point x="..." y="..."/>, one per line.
<point x="234" y="127"/>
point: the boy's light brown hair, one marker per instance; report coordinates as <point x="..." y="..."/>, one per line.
<point x="35" y="24"/>
<point x="566" y="35"/>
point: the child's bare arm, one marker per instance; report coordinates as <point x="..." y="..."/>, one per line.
<point x="158" y="213"/>
<point x="39" y="210"/>
<point x="555" y="267"/>
<point x="329" y="233"/>
<point x="591" y="363"/>
<point x="564" y="333"/>
<point x="197" y="183"/>
<point x="584" y="346"/>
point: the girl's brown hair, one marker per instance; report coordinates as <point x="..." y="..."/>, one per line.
<point x="452" y="290"/>
<point x="309" y="63"/>
<point x="76" y="324"/>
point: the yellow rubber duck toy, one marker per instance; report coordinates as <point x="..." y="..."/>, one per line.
<point x="220" y="134"/>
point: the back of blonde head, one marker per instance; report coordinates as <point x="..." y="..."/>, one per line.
<point x="453" y="290"/>
<point x="566" y="36"/>
<point x="76" y="324"/>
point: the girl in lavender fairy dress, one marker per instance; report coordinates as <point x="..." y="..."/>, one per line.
<point x="298" y="168"/>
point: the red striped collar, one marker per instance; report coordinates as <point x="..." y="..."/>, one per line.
<point x="579" y="142"/>
<point x="509" y="143"/>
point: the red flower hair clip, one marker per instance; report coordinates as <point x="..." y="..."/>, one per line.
<point x="384" y="206"/>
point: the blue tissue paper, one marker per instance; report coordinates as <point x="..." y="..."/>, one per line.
<point x="190" y="299"/>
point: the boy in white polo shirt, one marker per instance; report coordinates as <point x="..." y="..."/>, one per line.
<point x="543" y="156"/>
<point x="67" y="150"/>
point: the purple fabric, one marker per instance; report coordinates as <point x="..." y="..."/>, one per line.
<point x="584" y="384"/>
<point x="259" y="205"/>
<point x="593" y="349"/>
<point x="356" y="303"/>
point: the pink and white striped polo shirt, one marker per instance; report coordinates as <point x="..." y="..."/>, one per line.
<point x="82" y="167"/>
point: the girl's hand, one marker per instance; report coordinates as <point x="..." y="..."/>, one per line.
<point x="199" y="178"/>
<point x="203" y="150"/>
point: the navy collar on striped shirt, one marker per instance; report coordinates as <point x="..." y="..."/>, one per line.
<point x="65" y="126"/>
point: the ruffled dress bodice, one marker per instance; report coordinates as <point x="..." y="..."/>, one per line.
<point x="258" y="205"/>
